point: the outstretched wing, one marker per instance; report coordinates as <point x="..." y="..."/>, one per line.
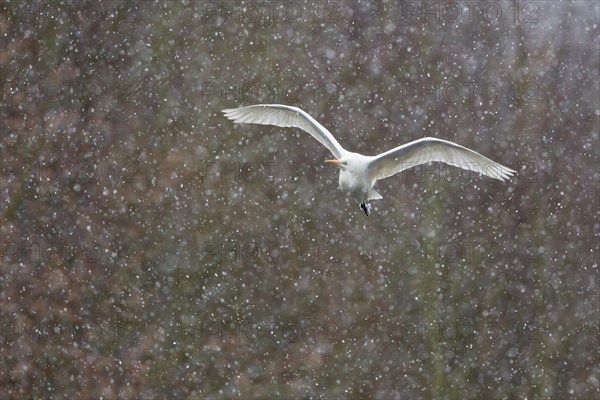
<point x="431" y="149"/>
<point x="285" y="116"/>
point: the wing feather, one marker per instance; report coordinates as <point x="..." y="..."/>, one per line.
<point x="431" y="149"/>
<point x="285" y="116"/>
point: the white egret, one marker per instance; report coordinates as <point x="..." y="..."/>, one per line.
<point x="358" y="173"/>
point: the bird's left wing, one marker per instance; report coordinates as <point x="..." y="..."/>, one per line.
<point x="431" y="149"/>
<point x="285" y="116"/>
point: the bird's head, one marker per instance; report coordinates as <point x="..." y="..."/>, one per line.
<point x="342" y="164"/>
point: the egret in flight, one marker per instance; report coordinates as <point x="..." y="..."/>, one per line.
<point x="358" y="173"/>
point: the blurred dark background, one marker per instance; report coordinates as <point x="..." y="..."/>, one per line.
<point x="152" y="249"/>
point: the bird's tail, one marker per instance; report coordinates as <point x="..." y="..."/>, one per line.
<point x="374" y="195"/>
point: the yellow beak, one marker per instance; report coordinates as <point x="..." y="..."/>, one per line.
<point x="334" y="162"/>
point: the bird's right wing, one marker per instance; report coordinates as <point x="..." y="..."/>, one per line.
<point x="285" y="116"/>
<point x="431" y="149"/>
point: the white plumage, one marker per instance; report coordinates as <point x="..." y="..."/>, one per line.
<point x="358" y="173"/>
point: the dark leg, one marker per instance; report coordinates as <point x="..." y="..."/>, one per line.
<point x="365" y="207"/>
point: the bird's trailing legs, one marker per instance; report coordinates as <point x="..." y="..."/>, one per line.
<point x="366" y="207"/>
